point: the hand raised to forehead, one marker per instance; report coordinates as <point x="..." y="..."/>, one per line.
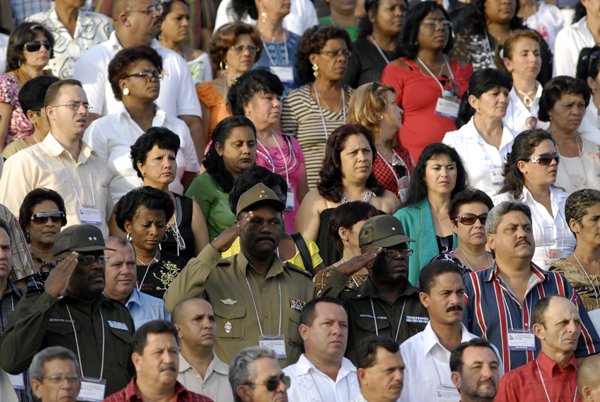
<point x="357" y="263"/>
<point x="58" y="279"/>
<point x="224" y="241"/>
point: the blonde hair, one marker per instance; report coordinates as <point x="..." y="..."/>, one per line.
<point x="507" y="50"/>
<point x="366" y="107"/>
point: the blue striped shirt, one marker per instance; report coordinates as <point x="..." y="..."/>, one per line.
<point x="492" y="309"/>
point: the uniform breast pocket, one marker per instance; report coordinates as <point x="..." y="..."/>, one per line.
<point x="121" y="343"/>
<point x="367" y="323"/>
<point x="294" y="334"/>
<point x="230" y="321"/>
<point x="61" y="333"/>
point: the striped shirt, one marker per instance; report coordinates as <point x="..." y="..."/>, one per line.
<point x="492" y="309"/>
<point x="301" y="118"/>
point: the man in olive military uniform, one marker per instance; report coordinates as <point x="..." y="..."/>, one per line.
<point x="256" y="298"/>
<point x="72" y="312"/>
<point x="386" y="303"/>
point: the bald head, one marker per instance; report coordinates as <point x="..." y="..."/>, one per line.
<point x="195" y="322"/>
<point x="588" y="380"/>
<point x="188" y="306"/>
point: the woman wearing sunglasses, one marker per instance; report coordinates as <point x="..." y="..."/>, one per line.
<point x="588" y="70"/>
<point x="482" y="140"/>
<point x="174" y="31"/>
<point x="428" y="83"/>
<point x="468" y="214"/>
<point x="563" y="104"/>
<point x="29" y="49"/>
<point x="154" y="158"/>
<point x="143" y="214"/>
<point x="234" y="48"/>
<point x="374" y="107"/>
<point x="529" y="176"/>
<point x="134" y="75"/>
<point x="41" y="217"/>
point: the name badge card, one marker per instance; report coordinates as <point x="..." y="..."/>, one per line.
<point x="276" y="345"/>
<point x="17" y="381"/>
<point x="90" y="216"/>
<point x="497" y="178"/>
<point x="285" y="74"/>
<point x="554" y="254"/>
<point x="446" y="394"/>
<point x="447" y="108"/>
<point x="92" y="391"/>
<point x="520" y="340"/>
<point x="290" y="201"/>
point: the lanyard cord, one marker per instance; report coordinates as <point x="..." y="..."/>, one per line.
<point x="399" y="321"/>
<point x="323" y="116"/>
<point x="438" y="374"/>
<point x="287" y="60"/>
<point x="544" y="384"/>
<point x="589" y="279"/>
<point x="469" y="265"/>
<point x="75" y="189"/>
<point x="510" y="315"/>
<point x="379" y="49"/>
<point x="258" y="317"/>
<point x="139" y="286"/>
<point x="433" y="75"/>
<point x="272" y="161"/>
<point x="391" y="167"/>
<point x="77" y="344"/>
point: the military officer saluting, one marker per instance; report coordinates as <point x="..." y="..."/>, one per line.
<point x="256" y="298"/>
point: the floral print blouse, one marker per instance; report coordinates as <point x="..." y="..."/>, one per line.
<point x="18" y="125"/>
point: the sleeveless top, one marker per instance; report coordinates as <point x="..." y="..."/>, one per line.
<point x="185" y="211"/>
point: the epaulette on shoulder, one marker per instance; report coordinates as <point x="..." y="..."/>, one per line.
<point x="295" y="268"/>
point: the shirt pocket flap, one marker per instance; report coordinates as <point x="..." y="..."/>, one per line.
<point x="229" y="312"/>
<point x="367" y="323"/>
<point x="231" y="321"/>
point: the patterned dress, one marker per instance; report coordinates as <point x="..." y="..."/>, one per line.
<point x="18" y="125"/>
<point x="587" y="288"/>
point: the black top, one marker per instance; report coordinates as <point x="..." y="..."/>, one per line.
<point x="445" y="243"/>
<point x="185" y="211"/>
<point x="159" y="276"/>
<point x="325" y="243"/>
<point x="366" y="64"/>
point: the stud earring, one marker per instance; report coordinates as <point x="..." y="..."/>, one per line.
<point x="126" y="91"/>
<point x="263" y="16"/>
<point x="478" y="110"/>
<point x="315" y="68"/>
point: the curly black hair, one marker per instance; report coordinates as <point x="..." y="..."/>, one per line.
<point x="475" y="18"/>
<point x="330" y="186"/>
<point x="118" y="67"/>
<point x="312" y="42"/>
<point x="556" y="88"/>
<point x="148" y="197"/>
<point x="251" y="83"/>
<point x="161" y="137"/>
<point x="35" y="197"/>
<point x="412" y="25"/>
<point x="213" y="162"/>
<point x="23" y="33"/>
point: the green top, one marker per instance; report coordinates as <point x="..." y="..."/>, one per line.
<point x="214" y="203"/>
<point x="14" y="147"/>
<point x="353" y="31"/>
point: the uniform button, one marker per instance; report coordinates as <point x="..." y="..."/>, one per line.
<point x="228" y="315"/>
<point x="214" y="260"/>
<point x="267" y="315"/>
<point x="47" y="304"/>
<point x="264" y="289"/>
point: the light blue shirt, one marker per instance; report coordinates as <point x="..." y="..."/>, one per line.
<point x="145" y="308"/>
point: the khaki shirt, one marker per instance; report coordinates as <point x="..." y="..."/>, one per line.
<point x="222" y="282"/>
<point x="360" y="304"/>
<point x="39" y="166"/>
<point x="40" y="320"/>
<point x="215" y="383"/>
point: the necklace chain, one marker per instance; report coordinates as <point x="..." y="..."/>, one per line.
<point x="588" y="277"/>
<point x="139" y="287"/>
<point x="465" y="258"/>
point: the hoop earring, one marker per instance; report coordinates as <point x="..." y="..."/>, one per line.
<point x="223" y="65"/>
<point x="126" y="91"/>
<point x="315" y="68"/>
<point x="128" y="237"/>
<point x="166" y="237"/>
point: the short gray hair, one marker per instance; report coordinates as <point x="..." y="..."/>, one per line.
<point x="37" y="370"/>
<point x="241" y="371"/>
<point x="495" y="215"/>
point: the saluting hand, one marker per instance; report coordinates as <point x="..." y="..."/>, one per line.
<point x="357" y="263"/>
<point x="58" y="279"/>
<point x="224" y="241"/>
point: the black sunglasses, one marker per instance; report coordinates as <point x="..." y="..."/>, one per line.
<point x="56" y="217"/>
<point x="36" y="45"/>
<point x="470" y="219"/>
<point x="273" y="382"/>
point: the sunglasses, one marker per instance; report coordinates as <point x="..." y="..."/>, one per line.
<point x="90" y="258"/>
<point x="36" y="45"/>
<point x="395" y="253"/>
<point x="273" y="382"/>
<point x="57" y="217"/>
<point x="544" y="159"/>
<point x="470" y="219"/>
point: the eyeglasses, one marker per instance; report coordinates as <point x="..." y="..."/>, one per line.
<point x="74" y="106"/>
<point x="544" y="159"/>
<point x="36" y="45"/>
<point x="58" y="378"/>
<point x="90" y="258"/>
<point x="149" y="10"/>
<point x="241" y="48"/>
<point x="147" y="75"/>
<point x="56" y="217"/>
<point x="273" y="382"/>
<point x="469" y="219"/>
<point x="337" y="53"/>
<point x="395" y="253"/>
<point x="434" y="23"/>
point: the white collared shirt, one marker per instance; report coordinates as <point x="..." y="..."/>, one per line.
<point x="309" y="384"/>
<point x="590" y="126"/>
<point x="427" y="365"/>
<point x="549" y="231"/>
<point x="215" y="384"/>
<point x="569" y="43"/>
<point x="177" y="91"/>
<point x="359" y="398"/>
<point x="90" y="30"/>
<point x="517" y="113"/>
<point x="478" y="156"/>
<point x="547" y="21"/>
<point x="86" y="180"/>
<point x="112" y="137"/>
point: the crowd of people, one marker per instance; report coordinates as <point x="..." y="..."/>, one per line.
<point x="239" y="201"/>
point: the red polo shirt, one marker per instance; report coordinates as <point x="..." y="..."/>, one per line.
<point x="525" y="384"/>
<point x="131" y="394"/>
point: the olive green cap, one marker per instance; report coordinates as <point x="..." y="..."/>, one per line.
<point x="258" y="194"/>
<point x="382" y="231"/>
<point x="80" y="238"/>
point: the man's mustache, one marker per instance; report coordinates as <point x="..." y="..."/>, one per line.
<point x="457" y="307"/>
<point x="167" y="367"/>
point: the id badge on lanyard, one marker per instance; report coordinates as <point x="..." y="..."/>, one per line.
<point x="403" y="183"/>
<point x="447" y="106"/>
<point x="92" y="391"/>
<point x="276" y="345"/>
<point x="521" y="340"/>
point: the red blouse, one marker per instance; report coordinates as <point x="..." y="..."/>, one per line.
<point x="417" y="94"/>
<point x="383" y="171"/>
